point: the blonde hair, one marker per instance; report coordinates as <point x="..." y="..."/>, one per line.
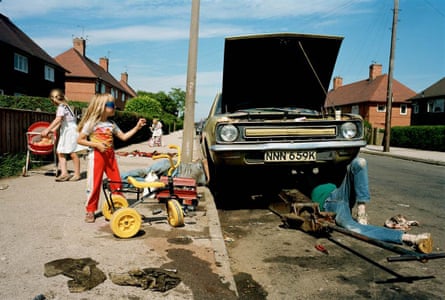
<point x="95" y="109"/>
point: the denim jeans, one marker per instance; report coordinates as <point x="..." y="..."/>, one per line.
<point x="355" y="188"/>
<point x="160" y="167"/>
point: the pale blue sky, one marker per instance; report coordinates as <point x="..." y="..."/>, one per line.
<point x="149" y="38"/>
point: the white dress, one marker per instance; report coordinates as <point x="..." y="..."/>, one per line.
<point x="68" y="131"/>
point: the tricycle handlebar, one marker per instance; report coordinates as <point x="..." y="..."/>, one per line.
<point x="173" y="166"/>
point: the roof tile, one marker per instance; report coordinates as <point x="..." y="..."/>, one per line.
<point x="368" y="91"/>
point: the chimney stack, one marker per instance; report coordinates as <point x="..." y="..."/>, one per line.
<point x="374" y="71"/>
<point x="103" y="62"/>
<point x="124" y="77"/>
<point x="79" y="44"/>
<point x="338" y="82"/>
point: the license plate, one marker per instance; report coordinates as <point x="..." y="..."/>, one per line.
<point x="271" y="156"/>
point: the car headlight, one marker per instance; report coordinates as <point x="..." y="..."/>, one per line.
<point x="228" y="133"/>
<point x="349" y="130"/>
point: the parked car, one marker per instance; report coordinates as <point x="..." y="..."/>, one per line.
<point x="269" y="121"/>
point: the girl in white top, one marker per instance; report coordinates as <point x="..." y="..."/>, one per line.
<point x="67" y="144"/>
<point x="156" y="129"/>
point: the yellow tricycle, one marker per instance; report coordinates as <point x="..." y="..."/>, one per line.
<point x="125" y="220"/>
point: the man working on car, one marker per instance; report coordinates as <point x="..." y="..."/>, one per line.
<point x="337" y="200"/>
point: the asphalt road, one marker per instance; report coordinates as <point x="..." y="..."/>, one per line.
<point x="271" y="262"/>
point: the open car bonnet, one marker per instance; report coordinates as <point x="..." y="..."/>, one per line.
<point x="278" y="70"/>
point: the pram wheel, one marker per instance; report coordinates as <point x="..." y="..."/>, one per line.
<point x="118" y="201"/>
<point x="126" y="222"/>
<point x="175" y="213"/>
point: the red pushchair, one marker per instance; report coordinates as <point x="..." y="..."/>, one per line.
<point x="39" y="147"/>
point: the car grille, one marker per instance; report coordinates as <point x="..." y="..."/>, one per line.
<point x="300" y="132"/>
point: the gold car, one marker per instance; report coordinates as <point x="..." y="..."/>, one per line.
<point x="269" y="121"/>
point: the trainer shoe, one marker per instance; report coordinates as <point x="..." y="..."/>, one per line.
<point x="362" y="218"/>
<point x="424" y="242"/>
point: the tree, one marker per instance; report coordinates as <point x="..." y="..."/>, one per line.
<point x="144" y="104"/>
<point x="178" y="97"/>
<point x="172" y="103"/>
<point x="168" y="105"/>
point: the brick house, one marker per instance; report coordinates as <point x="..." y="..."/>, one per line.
<point x="25" y="68"/>
<point x="429" y="105"/>
<point x="85" y="78"/>
<point x="368" y="98"/>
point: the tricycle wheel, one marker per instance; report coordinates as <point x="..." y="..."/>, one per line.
<point x="126" y="222"/>
<point x="119" y="201"/>
<point x="175" y="213"/>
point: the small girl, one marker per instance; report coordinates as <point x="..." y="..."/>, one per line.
<point x="156" y="129"/>
<point x="67" y="145"/>
<point x="96" y="132"/>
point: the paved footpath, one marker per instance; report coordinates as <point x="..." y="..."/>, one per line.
<point x="42" y="221"/>
<point x="425" y="156"/>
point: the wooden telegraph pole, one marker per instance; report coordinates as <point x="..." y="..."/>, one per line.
<point x="189" y="112"/>
<point x="389" y="97"/>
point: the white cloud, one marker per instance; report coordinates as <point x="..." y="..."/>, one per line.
<point x="149" y="38"/>
<point x="24" y="8"/>
<point x="166" y="9"/>
<point x="208" y="84"/>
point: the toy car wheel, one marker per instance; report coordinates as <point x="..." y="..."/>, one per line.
<point x="126" y="222"/>
<point x="119" y="201"/>
<point x="175" y="213"/>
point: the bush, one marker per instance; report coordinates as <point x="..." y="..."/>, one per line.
<point x="144" y="105"/>
<point x="149" y="107"/>
<point x="12" y="164"/>
<point x="126" y="121"/>
<point x="28" y="103"/>
<point x="368" y="131"/>
<point x="419" y="137"/>
<point x="36" y="103"/>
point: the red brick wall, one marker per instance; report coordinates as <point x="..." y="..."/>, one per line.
<point x="378" y="119"/>
<point x="84" y="91"/>
<point x="78" y="91"/>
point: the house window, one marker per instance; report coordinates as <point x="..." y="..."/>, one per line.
<point x="49" y="73"/>
<point x="381" y="108"/>
<point x="355" y="109"/>
<point x="20" y="63"/>
<point x="100" y="87"/>
<point x="415" y="107"/>
<point x="436" y="106"/>
<point x="113" y="92"/>
<point x="123" y="97"/>
<point x="403" y="109"/>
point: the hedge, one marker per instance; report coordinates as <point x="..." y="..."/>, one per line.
<point x="125" y="120"/>
<point x="423" y="137"/>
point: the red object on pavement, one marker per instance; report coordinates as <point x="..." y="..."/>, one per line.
<point x="184" y="188"/>
<point x="321" y="248"/>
